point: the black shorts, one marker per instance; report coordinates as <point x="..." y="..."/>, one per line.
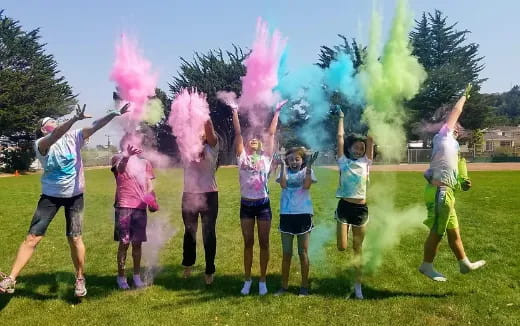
<point x="296" y="224"/>
<point x="130" y="225"/>
<point x="350" y="213"/>
<point x="48" y="207"/>
<point x="259" y="209"/>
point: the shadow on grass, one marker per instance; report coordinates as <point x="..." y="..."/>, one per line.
<point x="343" y="286"/>
<point x="59" y="286"/>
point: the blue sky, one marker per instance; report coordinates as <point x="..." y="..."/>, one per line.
<point x="81" y="34"/>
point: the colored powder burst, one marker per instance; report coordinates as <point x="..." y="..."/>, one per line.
<point x="390" y="81"/>
<point x="388" y="223"/>
<point x="154" y="111"/>
<point x="133" y="76"/>
<point x="189" y="113"/>
<point x="261" y="74"/>
<point x="312" y="86"/>
<point x="160" y="231"/>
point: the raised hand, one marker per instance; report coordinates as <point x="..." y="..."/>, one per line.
<point x="131" y="150"/>
<point x="466" y="185"/>
<point x="278" y="158"/>
<point x="124" y="109"/>
<point x="80" y="112"/>
<point x="280" y="105"/>
<point x="312" y="158"/>
<point x="467" y="91"/>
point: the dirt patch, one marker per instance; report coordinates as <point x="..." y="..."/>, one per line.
<point x="513" y="166"/>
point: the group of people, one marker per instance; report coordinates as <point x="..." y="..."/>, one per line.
<point x="62" y="181"/>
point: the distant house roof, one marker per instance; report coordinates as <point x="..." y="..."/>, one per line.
<point x="492" y="136"/>
<point x="502" y="128"/>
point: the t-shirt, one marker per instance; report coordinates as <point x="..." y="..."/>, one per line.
<point x="62" y="166"/>
<point x="199" y="177"/>
<point x="445" y="155"/>
<point x="254" y="175"/>
<point x="353" y="177"/>
<point x="295" y="199"/>
<point x="132" y="183"/>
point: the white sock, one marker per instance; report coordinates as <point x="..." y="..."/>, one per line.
<point x="428" y="270"/>
<point x="466" y="266"/>
<point x="246" y="288"/>
<point x="137" y="281"/>
<point x="357" y="291"/>
<point x="262" y="288"/>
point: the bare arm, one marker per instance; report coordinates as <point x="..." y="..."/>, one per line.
<point x="269" y="143"/>
<point x="46" y="142"/>
<point x="239" y="141"/>
<point x="370" y="148"/>
<point x="120" y="166"/>
<point x="211" y="136"/>
<point x="283" y="172"/>
<point x="100" y="123"/>
<point x="455" y="113"/>
<point x="341" y="135"/>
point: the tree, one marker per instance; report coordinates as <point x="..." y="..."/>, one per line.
<point x="208" y="73"/>
<point x="30" y="86"/>
<point x="451" y="63"/>
<point x="328" y="54"/>
<point x="508" y="105"/>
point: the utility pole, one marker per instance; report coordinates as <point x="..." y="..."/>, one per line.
<point x="108" y="141"/>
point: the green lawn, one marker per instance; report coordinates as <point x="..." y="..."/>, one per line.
<point x="395" y="295"/>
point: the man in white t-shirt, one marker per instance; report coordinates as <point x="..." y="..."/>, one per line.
<point x="59" y="151"/>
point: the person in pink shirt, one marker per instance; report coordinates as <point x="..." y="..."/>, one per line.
<point x="134" y="194"/>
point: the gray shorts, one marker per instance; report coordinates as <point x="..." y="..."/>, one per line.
<point x="48" y="207"/>
<point x="130" y="225"/>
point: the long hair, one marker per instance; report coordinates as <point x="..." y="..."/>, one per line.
<point x="38" y="130"/>
<point x="350" y="140"/>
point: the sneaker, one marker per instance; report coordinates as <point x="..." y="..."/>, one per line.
<point x="262" y="288"/>
<point x="246" y="288"/>
<point x="79" y="288"/>
<point x="303" y="292"/>
<point x="138" y="283"/>
<point x="122" y="283"/>
<point x="280" y="292"/>
<point x="7" y="284"/>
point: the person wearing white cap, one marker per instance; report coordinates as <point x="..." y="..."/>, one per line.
<point x="58" y="150"/>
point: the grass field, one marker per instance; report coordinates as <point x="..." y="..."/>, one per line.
<point x="396" y="295"/>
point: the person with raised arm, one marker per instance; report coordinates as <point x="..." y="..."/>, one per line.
<point x="444" y="177"/>
<point x="59" y="151"/>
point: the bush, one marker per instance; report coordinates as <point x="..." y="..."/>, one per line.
<point x="17" y="158"/>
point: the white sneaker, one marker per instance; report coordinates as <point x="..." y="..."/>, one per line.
<point x="262" y="288"/>
<point x="138" y="283"/>
<point x="246" y="288"/>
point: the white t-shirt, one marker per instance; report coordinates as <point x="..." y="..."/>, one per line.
<point x="295" y="199"/>
<point x="445" y="155"/>
<point x="199" y="177"/>
<point x="253" y="175"/>
<point x="62" y="166"/>
<point x="353" y="177"/>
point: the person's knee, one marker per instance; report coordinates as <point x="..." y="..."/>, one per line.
<point x="32" y="240"/>
<point x="75" y="241"/>
<point x="136" y="245"/>
<point x="249" y="242"/>
<point x="264" y="244"/>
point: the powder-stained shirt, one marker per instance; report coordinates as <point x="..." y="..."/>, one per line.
<point x="62" y="166"/>
<point x="254" y="175"/>
<point x="353" y="177"/>
<point x="199" y="177"/>
<point x="445" y="155"/>
<point x="295" y="199"/>
<point x="132" y="183"/>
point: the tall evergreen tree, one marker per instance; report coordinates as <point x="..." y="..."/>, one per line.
<point x="30" y="85"/>
<point x="451" y="63"/>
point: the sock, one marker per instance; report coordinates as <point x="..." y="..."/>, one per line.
<point x="428" y="270"/>
<point x="262" y="288"/>
<point x="466" y="266"/>
<point x="357" y="291"/>
<point x="122" y="282"/>
<point x="246" y="288"/>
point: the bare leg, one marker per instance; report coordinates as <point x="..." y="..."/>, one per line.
<point x="287" y="240"/>
<point x="77" y="253"/>
<point x="456" y="246"/>
<point x="121" y="258"/>
<point x="303" y="246"/>
<point x="248" y="232"/>
<point x="25" y="253"/>
<point x="264" y="227"/>
<point x="342" y="235"/>
<point x="431" y="246"/>
<point x="359" y="236"/>
<point x="136" y="255"/>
